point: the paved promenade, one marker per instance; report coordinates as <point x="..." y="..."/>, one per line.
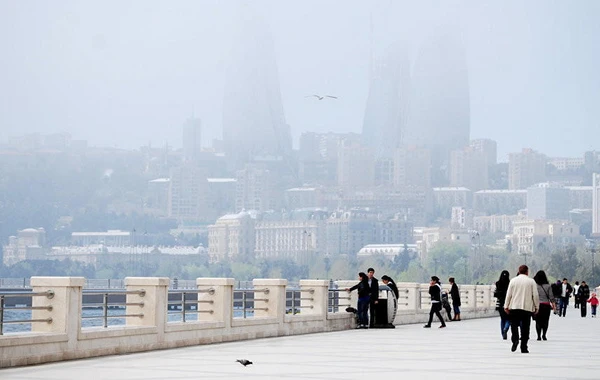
<point x="471" y="349"/>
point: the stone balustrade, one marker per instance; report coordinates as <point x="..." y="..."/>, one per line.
<point x="61" y="336"/>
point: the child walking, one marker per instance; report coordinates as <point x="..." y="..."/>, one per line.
<point x="594" y="302"/>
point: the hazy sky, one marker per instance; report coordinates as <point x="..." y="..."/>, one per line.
<point x="125" y="73"/>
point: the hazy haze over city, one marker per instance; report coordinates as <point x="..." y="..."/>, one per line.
<point x="128" y="73"/>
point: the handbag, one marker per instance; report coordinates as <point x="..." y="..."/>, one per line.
<point x="552" y="303"/>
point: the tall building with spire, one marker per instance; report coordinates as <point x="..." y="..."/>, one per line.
<point x="253" y="119"/>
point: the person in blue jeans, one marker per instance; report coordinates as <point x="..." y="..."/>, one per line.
<point x="364" y="292"/>
<point x="500" y="294"/>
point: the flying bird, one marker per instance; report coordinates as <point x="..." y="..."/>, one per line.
<point x="321" y="97"/>
<point x="244" y="362"/>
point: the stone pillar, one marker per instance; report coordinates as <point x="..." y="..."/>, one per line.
<point x="152" y="303"/>
<point x="468" y="294"/>
<point x="318" y="293"/>
<point x="269" y="298"/>
<point x="218" y="299"/>
<point x="343" y="302"/>
<point x="486" y="293"/>
<point x="412" y="292"/>
<point x="425" y="298"/>
<point x="65" y="305"/>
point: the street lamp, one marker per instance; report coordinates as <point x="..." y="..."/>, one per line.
<point x="591" y="247"/>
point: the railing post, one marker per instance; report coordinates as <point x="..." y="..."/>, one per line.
<point x="413" y="297"/>
<point x="152" y="303"/>
<point x="485" y="289"/>
<point x="470" y="296"/>
<point x="318" y="292"/>
<point x="220" y="293"/>
<point x="66" y="305"/>
<point x="353" y="302"/>
<point x="271" y="302"/>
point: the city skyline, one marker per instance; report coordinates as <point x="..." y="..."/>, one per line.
<point x="113" y="78"/>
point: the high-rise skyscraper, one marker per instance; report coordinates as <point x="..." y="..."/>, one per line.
<point x="253" y="118"/>
<point x="439" y="117"/>
<point x="596" y="204"/>
<point x="387" y="105"/>
<point x="191" y="139"/>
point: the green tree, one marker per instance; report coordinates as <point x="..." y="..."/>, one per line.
<point x="564" y="263"/>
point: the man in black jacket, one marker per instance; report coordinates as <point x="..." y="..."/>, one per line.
<point x="583" y="293"/>
<point x="374" y="299"/>
<point x="565" y="293"/>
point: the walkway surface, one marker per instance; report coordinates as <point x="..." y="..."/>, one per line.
<point x="471" y="349"/>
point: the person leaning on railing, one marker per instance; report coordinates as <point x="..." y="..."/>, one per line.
<point x="364" y="292"/>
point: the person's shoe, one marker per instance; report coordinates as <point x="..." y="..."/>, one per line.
<point x="504" y="336"/>
<point x="442" y="326"/>
<point x="539" y="338"/>
<point x="427" y="326"/>
<point x="524" y="351"/>
<point x="544" y="337"/>
<point x="514" y="346"/>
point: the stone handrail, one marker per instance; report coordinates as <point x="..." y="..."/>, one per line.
<point x="148" y="328"/>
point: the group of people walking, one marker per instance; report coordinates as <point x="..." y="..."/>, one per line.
<point x="521" y="299"/>
<point x="439" y="300"/>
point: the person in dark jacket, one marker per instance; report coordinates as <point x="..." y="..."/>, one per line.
<point x="374" y="299"/>
<point x="435" y="291"/>
<point x="455" y="295"/>
<point x="500" y="294"/>
<point x="565" y="293"/>
<point x="583" y="293"/>
<point x="387" y="280"/>
<point x="364" y="293"/>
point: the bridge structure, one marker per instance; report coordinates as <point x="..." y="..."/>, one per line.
<point x="317" y="342"/>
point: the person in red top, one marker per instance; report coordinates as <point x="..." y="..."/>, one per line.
<point x="594" y="302"/>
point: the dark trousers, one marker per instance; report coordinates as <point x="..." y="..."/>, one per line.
<point x="435" y="309"/>
<point x="372" y="307"/>
<point x="583" y="307"/>
<point x="594" y="310"/>
<point x="542" y="319"/>
<point x="363" y="306"/>
<point x="522" y="319"/>
<point x="577" y="302"/>
<point x="562" y="308"/>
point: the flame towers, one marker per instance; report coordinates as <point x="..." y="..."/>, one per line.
<point x="439" y="117"/>
<point x="387" y="104"/>
<point x="253" y="118"/>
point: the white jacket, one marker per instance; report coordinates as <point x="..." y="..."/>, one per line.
<point x="522" y="294"/>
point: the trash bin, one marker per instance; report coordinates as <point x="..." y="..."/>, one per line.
<point x="386" y="308"/>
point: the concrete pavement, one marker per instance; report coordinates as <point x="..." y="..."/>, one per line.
<point x="471" y="349"/>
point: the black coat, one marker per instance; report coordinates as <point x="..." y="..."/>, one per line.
<point x="394" y="288"/>
<point x="435" y="291"/>
<point x="455" y="294"/>
<point x="363" y="289"/>
<point x="374" y="290"/>
<point x="583" y="292"/>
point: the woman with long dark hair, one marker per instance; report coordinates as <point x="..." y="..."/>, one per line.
<point x="364" y="291"/>
<point x="387" y="280"/>
<point x="500" y="294"/>
<point x="542" y="319"/>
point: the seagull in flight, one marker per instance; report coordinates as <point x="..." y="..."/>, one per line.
<point x="321" y="97"/>
<point x="244" y="362"/>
